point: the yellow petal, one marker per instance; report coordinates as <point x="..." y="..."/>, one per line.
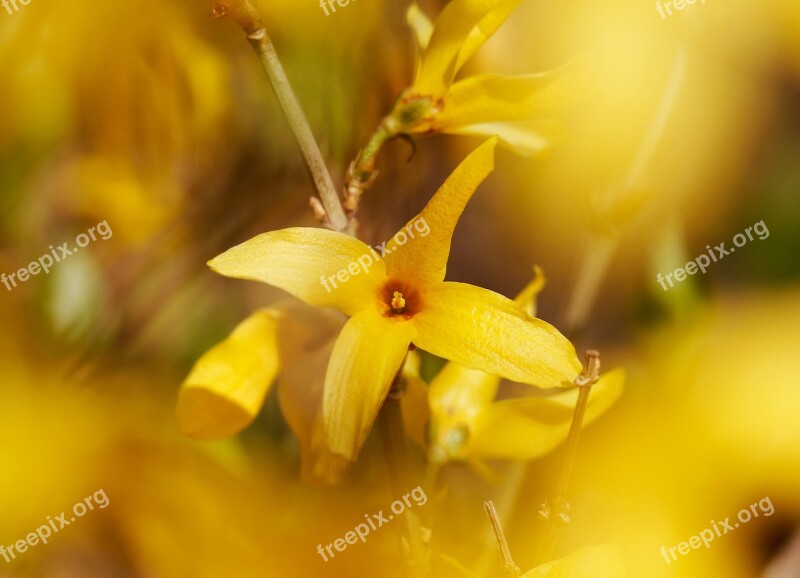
<point x="321" y="267"/>
<point x="424" y="258"/>
<point x="420" y="24"/>
<point x="594" y="561"/>
<point x="415" y="400"/>
<point x="461" y="28"/>
<point x="226" y="387"/>
<point x="484" y="330"/>
<point x="489" y="98"/>
<point x="528" y="428"/>
<point x="307" y="337"/>
<point x="457" y="396"/>
<point x="528" y="297"/>
<point x="525" y="138"/>
<point x="364" y="362"/>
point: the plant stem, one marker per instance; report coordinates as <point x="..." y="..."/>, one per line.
<point x="555" y="509"/>
<point x="601" y="247"/>
<point x="508" y="562"/>
<point x="248" y="18"/>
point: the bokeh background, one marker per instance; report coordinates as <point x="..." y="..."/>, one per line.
<point x="157" y="119"/>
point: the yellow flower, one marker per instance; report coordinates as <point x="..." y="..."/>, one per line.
<point x="467" y="424"/>
<point x="289" y="345"/>
<point x="522" y="110"/>
<point x="399" y="300"/>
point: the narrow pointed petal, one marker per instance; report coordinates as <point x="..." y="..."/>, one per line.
<point x="415" y="400"/>
<point x="424" y="258"/>
<point x="529" y="296"/>
<point x="484" y="330"/>
<point x="528" y="428"/>
<point x="420" y="24"/>
<point x="525" y="138"/>
<point x="461" y="28"/>
<point x="595" y="561"/>
<point x="490" y="98"/>
<point x="363" y="365"/>
<point x="226" y="387"/>
<point x="321" y="267"/>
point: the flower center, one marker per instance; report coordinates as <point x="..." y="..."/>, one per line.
<point x="398" y="303"/>
<point x="399" y="299"/>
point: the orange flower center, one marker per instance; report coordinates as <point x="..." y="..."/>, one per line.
<point x="399" y="299"/>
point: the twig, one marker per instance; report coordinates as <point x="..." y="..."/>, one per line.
<point x="555" y="509"/>
<point x="502" y="544"/>
<point x="248" y="18"/>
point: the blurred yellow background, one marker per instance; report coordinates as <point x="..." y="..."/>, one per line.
<point x="156" y="118"/>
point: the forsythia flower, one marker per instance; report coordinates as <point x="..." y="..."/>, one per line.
<point x="402" y="300"/>
<point x="466" y="423"/>
<point x="522" y="110"/>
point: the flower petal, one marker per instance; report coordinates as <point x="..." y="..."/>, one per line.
<point x="457" y="396"/>
<point x="461" y="28"/>
<point x="226" y="387"/>
<point x="424" y="258"/>
<point x="420" y="24"/>
<point x="527" y="428"/>
<point x="489" y="98"/>
<point x="596" y="561"/>
<point x="525" y="138"/>
<point x="415" y="400"/>
<point x="363" y="365"/>
<point x="483" y="330"/>
<point x="321" y="267"/>
<point x="309" y="339"/>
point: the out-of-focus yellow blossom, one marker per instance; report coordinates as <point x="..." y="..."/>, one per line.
<point x="711" y="428"/>
<point x="289" y="343"/>
<point x="401" y="300"/>
<point x="133" y="125"/>
<point x="595" y="561"/>
<point x="522" y="110"/>
<point x="467" y="423"/>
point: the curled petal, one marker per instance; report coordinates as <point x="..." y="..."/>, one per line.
<point x="226" y="387"/>
<point x="461" y="28"/>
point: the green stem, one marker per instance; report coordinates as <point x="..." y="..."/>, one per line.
<point x="248" y="18"/>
